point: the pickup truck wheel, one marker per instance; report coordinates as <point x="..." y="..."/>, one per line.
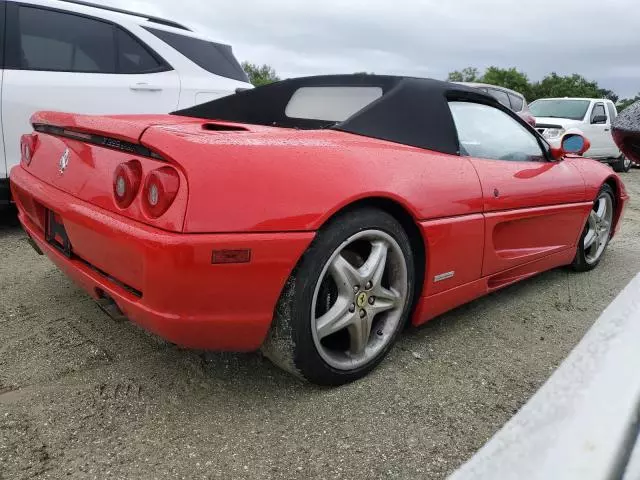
<point x="622" y="165"/>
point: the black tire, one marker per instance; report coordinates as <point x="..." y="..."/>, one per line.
<point x="621" y="165"/>
<point x="580" y="263"/>
<point x="290" y="344"/>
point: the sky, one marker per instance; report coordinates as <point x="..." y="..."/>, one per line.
<point x="429" y="38"/>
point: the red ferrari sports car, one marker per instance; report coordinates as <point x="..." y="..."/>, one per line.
<point x="312" y="218"/>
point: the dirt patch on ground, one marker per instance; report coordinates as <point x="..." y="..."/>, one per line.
<point x="84" y="397"/>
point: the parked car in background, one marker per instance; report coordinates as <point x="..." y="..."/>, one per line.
<point x="84" y="58"/>
<point x="509" y="98"/>
<point x="592" y="116"/>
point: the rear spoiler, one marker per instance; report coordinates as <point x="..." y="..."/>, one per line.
<point x="123" y="127"/>
<point x="100" y="140"/>
<point x="117" y="132"/>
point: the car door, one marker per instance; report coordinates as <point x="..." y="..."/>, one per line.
<point x="598" y="131"/>
<point x="58" y="60"/>
<point x="533" y="207"/>
<point x="612" y="150"/>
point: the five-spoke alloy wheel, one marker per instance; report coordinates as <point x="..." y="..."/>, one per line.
<point x="597" y="231"/>
<point x="347" y="300"/>
<point x="359" y="299"/>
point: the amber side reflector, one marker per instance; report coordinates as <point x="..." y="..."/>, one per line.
<point x="231" y="256"/>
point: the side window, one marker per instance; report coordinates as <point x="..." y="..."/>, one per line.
<point x="212" y="57"/>
<point x="133" y="57"/>
<point x="598" y="111"/>
<point x="612" y="111"/>
<point x="517" y="103"/>
<point x="486" y="132"/>
<point x="62" y="42"/>
<point x="501" y="96"/>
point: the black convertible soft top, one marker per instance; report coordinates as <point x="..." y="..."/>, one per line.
<point x="412" y="111"/>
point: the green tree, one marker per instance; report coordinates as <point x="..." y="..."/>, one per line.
<point x="469" y="74"/>
<point x="260" y="74"/>
<point x="554" y="85"/>
<point x="508" y="78"/>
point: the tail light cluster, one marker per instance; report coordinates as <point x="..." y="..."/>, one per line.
<point x="126" y="182"/>
<point x="159" y="190"/>
<point x="27" y="147"/>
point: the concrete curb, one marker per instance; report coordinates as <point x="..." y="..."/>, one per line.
<point x="584" y="421"/>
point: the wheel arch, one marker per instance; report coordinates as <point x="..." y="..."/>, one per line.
<point x="407" y="220"/>
<point x="614" y="182"/>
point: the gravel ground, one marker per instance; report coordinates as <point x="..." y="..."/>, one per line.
<point x="84" y="397"/>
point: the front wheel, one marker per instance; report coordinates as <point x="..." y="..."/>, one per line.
<point x="622" y="164"/>
<point x="347" y="300"/>
<point x="597" y="232"/>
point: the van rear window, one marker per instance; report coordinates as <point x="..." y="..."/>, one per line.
<point x="216" y="58"/>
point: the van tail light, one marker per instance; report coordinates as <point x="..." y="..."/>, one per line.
<point x="160" y="190"/>
<point x="27" y="147"/>
<point x="126" y="182"/>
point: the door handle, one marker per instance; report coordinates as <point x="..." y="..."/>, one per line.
<point x="145" y="87"/>
<point x="607" y="129"/>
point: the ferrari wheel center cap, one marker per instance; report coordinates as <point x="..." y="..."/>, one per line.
<point x="361" y="300"/>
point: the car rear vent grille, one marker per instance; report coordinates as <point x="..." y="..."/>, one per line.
<point x="99" y="140"/>
<point x="216" y="127"/>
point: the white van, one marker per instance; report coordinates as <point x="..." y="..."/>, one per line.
<point x="79" y="57"/>
<point x="593" y="116"/>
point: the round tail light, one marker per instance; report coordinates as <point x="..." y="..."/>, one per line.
<point x="27" y="147"/>
<point x="160" y="190"/>
<point x="126" y="182"/>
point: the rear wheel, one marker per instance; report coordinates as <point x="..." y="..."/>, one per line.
<point x="597" y="232"/>
<point x="622" y="164"/>
<point x="347" y="300"/>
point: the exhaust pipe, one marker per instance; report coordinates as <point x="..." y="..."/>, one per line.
<point x="109" y="306"/>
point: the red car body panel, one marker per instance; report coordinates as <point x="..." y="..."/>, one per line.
<point x="430" y="307"/>
<point x="286" y="172"/>
<point x="593" y="172"/>
<point x="485" y="224"/>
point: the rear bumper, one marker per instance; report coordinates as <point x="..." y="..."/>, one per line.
<point x="164" y="281"/>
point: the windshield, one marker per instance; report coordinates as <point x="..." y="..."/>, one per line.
<point x="571" y="109"/>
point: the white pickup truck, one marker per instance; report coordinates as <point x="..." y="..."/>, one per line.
<point x="554" y="116"/>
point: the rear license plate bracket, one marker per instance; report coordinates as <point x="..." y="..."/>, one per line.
<point x="55" y="233"/>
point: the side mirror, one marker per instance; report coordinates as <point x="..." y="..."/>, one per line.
<point x="574" y="144"/>
<point x="599" y="120"/>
